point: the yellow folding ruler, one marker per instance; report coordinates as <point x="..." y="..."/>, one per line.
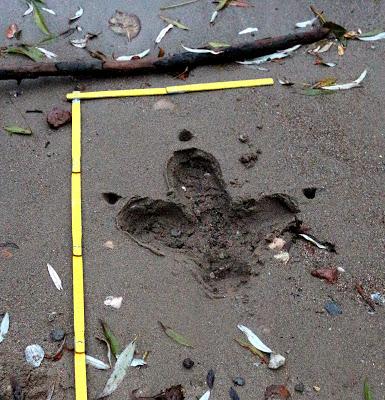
<point x="76" y="199"/>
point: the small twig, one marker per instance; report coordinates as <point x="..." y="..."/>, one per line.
<point x="318" y="14"/>
<point x="145" y="245"/>
<point x="364" y="296"/>
<point x="178" y="5"/>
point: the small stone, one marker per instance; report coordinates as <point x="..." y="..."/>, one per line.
<point x="276" y="361"/>
<point x="299" y="387"/>
<point x="243" y="138"/>
<point x="58" y="117"/>
<point x="317" y="389"/>
<point x="51" y="316"/>
<point x="185" y="135"/>
<point x="212" y="275"/>
<point x="57" y="335"/>
<point x="188" y="363"/>
<point x="333" y="308"/>
<point x="238" y="381"/>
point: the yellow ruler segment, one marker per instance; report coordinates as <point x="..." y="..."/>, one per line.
<point x="77" y="258"/>
<point x="196" y="87"/>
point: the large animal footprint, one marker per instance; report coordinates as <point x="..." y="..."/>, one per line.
<point x="220" y="234"/>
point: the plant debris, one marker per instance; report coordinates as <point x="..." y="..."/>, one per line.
<point x="77" y="15"/>
<point x="38" y="17"/>
<point x="285" y="82"/>
<point x="175" y="23"/>
<point x="47" y="53"/>
<point x="368" y="394"/>
<point x="277" y="392"/>
<point x="248" y="30"/>
<point x="125" y="24"/>
<point x="114" y="302"/>
<point x="134" y="56"/>
<point x="275" y="56"/>
<point x="328" y="274"/>
<point x="201" y="51"/>
<point x="29" y="51"/>
<point x="305" y="24"/>
<point x="378" y="36"/>
<point x="185" y="3"/>
<point x="29" y="9"/>
<point x="58" y="117"/>
<point x="254" y="339"/>
<point x="4" y="327"/>
<point x="109" y="353"/>
<point x="111" y="339"/>
<point x="367" y="299"/>
<point x="55" y="277"/>
<point x="18" y="130"/>
<point x="321" y="245"/>
<point x="206" y="395"/>
<point x="247" y="345"/>
<point x="177" y="337"/>
<point x="277" y="244"/>
<point x="34" y="355"/>
<point x="12" y="31"/>
<point x="345" y="86"/>
<point x="172" y="393"/>
<point x="94" y="362"/>
<point x="120" y="370"/>
<point x="163" y="32"/>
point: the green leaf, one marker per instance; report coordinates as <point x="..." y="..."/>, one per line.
<point x="112" y="340"/>
<point x="14" y="129"/>
<point x="368" y="395"/>
<point x="177" y="337"/>
<point x="217" y="45"/>
<point x="31" y="52"/>
<point x="175" y="23"/>
<point x="315" y="92"/>
<point x="39" y="19"/>
<point x="222" y="4"/>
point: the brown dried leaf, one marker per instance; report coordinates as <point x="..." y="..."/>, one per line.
<point x="328" y="81"/>
<point x="125" y="24"/>
<point x="277" y="392"/>
<point x="172" y="393"/>
<point x="341" y="50"/>
<point x="161" y="52"/>
<point x="329" y="274"/>
<point x="58" y="117"/>
<point x="11" y="31"/>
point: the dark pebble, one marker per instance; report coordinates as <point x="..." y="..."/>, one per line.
<point x="299" y="387"/>
<point x="185" y="135"/>
<point x="57" y="335"/>
<point x="239" y="381"/>
<point x="333" y="308"/>
<point x="188" y="363"/>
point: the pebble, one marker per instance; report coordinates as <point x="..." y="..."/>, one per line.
<point x="317" y="389"/>
<point x="333" y="308"/>
<point x="185" y="135"/>
<point x="57" y="335"/>
<point x="188" y="363"/>
<point x="243" y="138"/>
<point x="299" y="387"/>
<point x="176" y="233"/>
<point x="239" y="381"/>
<point x="276" y="361"/>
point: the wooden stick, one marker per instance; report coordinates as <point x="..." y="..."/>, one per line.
<point x="172" y="63"/>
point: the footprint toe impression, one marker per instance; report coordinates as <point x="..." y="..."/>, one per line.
<point x="220" y="234"/>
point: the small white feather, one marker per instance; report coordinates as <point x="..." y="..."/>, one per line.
<point x="304" y="24"/>
<point x="254" y="339"/>
<point x="47" y="53"/>
<point x="163" y="32"/>
<point x="48" y="10"/>
<point x="55" y="277"/>
<point x="248" y="30"/>
<point x="129" y="58"/>
<point x="379" y="36"/>
<point x="4" y="327"/>
<point x="78" y="14"/>
<point x="201" y="51"/>
<point x="29" y="10"/>
<point x="343" y="86"/>
<point x="94" y="362"/>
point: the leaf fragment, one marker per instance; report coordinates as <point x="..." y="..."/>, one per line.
<point x="47" y="53"/>
<point x="305" y="24"/>
<point x="270" y="57"/>
<point x="254" y="339"/>
<point x="248" y="30"/>
<point x="201" y="51"/>
<point x="175" y="23"/>
<point x="120" y="370"/>
<point x="233" y="394"/>
<point x="134" y="56"/>
<point x="222" y="4"/>
<point x="29" y="51"/>
<point x="163" y="32"/>
<point x="4" y="327"/>
<point x="213" y="16"/>
<point x="172" y="393"/>
<point x="29" y="9"/>
<point x="378" y="36"/>
<point x="125" y="24"/>
<point x="103" y="340"/>
<point x="111" y="338"/>
<point x="328" y="274"/>
<point x="39" y="19"/>
<point x="98" y="364"/>
<point x="49" y="11"/>
<point x="55" y="277"/>
<point x="18" y="130"/>
<point x="276" y="392"/>
<point x="77" y="15"/>
<point x="283" y="256"/>
<point x="247" y="345"/>
<point x="368" y="395"/>
<point x="114" y="302"/>
<point x="336" y="29"/>
<point x="177" y="337"/>
<point x="217" y="45"/>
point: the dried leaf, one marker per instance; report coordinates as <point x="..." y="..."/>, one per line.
<point x="11" y="31"/>
<point x="277" y="392"/>
<point x="138" y="362"/>
<point x="58" y="117"/>
<point x="270" y="57"/>
<point x="4" y="327"/>
<point x="233" y="394"/>
<point x="14" y="129"/>
<point x="112" y="340"/>
<point x="210" y="378"/>
<point x="367" y="299"/>
<point x="77" y="15"/>
<point x="39" y="19"/>
<point x="201" y="51"/>
<point x="366" y="38"/>
<point x="217" y="45"/>
<point x="125" y="24"/>
<point x="120" y="370"/>
<point x="163" y="32"/>
<point x="175" y="23"/>
<point x="240" y="3"/>
<point x="29" y="9"/>
<point x="213" y="16"/>
<point x="328" y="81"/>
<point x="248" y="30"/>
<point x="320" y="61"/>
<point x="325" y="47"/>
<point x="307" y="23"/>
<point x="329" y="274"/>
<point x="340" y="50"/>
<point x="47" y="53"/>
<point x="108" y="349"/>
<point x="368" y="395"/>
<point x="31" y="52"/>
<point x="94" y="362"/>
<point x="247" y="345"/>
<point x="336" y="29"/>
<point x="55" y="277"/>
<point x="178" y="5"/>
<point x="133" y="56"/>
<point x="222" y="4"/>
<point x="172" y="393"/>
<point x="161" y="52"/>
<point x="48" y="10"/>
<point x="254" y="339"/>
<point x="114" y="302"/>
<point x="177" y="337"/>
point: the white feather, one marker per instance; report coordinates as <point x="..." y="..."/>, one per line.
<point x="254" y="339"/>
<point x="4" y="327"/>
<point x="55" y="277"/>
